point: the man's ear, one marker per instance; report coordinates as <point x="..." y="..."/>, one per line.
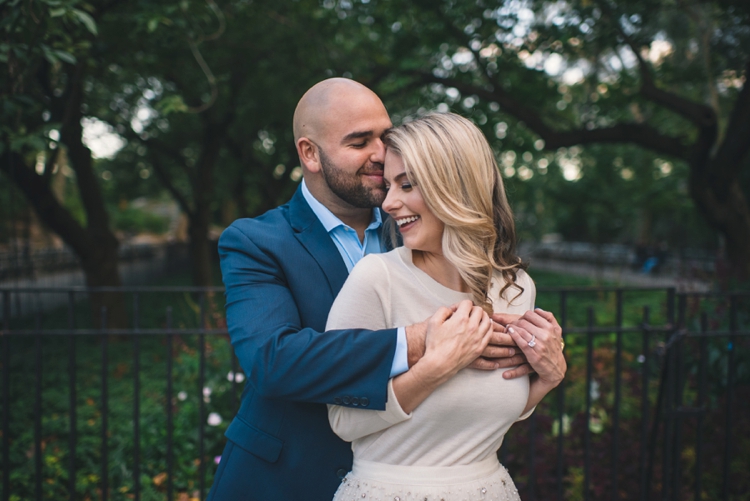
<point x="308" y="154"/>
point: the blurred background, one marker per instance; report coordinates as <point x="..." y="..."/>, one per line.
<point x="620" y="126"/>
<point x="133" y="132"/>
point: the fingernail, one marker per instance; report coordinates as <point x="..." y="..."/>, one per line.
<point x="511" y="351"/>
<point x="510" y="329"/>
<point x="538" y="308"/>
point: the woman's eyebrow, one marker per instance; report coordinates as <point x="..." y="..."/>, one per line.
<point x="399" y="176"/>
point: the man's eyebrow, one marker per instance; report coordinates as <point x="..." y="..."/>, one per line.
<point x="357" y="135"/>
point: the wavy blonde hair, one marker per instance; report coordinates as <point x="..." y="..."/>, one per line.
<point x="450" y="160"/>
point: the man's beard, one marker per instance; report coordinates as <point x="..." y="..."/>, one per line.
<point x="349" y="187"/>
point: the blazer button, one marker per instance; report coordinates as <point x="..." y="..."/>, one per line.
<point x="347" y="400"/>
<point x="337" y="400"/>
<point x="355" y="401"/>
<point x="364" y="401"/>
<point x="341" y="473"/>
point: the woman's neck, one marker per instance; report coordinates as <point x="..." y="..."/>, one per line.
<point x="439" y="269"/>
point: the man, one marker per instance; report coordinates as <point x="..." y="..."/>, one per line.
<point x="282" y="272"/>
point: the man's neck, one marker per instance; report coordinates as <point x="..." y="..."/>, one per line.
<point x="355" y="217"/>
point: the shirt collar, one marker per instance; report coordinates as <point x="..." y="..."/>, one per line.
<point x="327" y="218"/>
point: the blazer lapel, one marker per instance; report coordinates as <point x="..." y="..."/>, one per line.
<point x="314" y="237"/>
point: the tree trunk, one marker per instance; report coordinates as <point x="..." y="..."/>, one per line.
<point x="97" y="250"/>
<point x="726" y="209"/>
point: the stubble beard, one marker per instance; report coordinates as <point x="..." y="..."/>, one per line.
<point x="349" y="187"/>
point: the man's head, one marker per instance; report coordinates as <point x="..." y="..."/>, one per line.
<point x="338" y="126"/>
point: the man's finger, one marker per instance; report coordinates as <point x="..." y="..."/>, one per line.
<point x="513" y="361"/>
<point x="498" y="327"/>
<point x="483" y="364"/>
<point x="498" y="352"/>
<point x="502" y="339"/>
<point x="521" y="370"/>
<point x="505" y="318"/>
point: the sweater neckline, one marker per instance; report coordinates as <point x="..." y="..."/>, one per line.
<point x="445" y="294"/>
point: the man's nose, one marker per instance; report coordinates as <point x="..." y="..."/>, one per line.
<point x="378" y="154"/>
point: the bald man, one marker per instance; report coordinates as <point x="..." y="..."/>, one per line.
<point x="282" y="271"/>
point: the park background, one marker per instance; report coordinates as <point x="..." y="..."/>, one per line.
<point x="133" y="132"/>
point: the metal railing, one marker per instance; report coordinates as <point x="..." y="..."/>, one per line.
<point x="631" y="420"/>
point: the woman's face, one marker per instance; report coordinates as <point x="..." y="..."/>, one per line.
<point x="419" y="227"/>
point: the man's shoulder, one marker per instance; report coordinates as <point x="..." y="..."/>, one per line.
<point x="272" y="223"/>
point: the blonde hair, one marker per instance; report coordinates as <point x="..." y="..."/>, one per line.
<point x="448" y="157"/>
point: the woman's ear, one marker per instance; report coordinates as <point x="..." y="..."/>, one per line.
<point x="308" y="154"/>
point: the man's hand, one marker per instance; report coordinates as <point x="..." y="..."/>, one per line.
<point x="502" y="351"/>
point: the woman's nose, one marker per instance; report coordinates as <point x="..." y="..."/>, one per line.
<point x="391" y="203"/>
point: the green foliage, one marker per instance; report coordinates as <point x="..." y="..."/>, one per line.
<point x="136" y="221"/>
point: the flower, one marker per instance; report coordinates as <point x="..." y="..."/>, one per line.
<point x="214" y="419"/>
<point x="217" y="459"/>
<point x="182" y="395"/>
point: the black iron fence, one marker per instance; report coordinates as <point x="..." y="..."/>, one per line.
<point x="654" y="405"/>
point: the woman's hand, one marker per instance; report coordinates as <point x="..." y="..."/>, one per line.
<point x="539" y="336"/>
<point x="455" y="338"/>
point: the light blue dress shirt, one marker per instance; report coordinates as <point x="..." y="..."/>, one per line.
<point x="352" y="250"/>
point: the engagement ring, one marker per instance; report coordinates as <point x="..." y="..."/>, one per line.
<point x="532" y="343"/>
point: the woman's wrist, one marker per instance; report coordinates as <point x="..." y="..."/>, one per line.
<point x="432" y="371"/>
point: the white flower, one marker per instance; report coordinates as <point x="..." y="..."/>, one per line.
<point x="182" y="395"/>
<point x="214" y="419"/>
<point x="238" y="377"/>
<point x="207" y="394"/>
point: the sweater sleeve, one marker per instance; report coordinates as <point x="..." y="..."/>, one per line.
<point x="529" y="301"/>
<point x="364" y="302"/>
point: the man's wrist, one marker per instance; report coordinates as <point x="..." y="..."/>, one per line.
<point x="415" y="342"/>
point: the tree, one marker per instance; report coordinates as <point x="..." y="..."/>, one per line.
<point x="218" y="87"/>
<point x="669" y="77"/>
<point x="48" y="53"/>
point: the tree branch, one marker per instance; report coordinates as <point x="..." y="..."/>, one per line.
<point x="48" y="208"/>
<point x="700" y="114"/>
<point x="641" y="134"/>
<point x="163" y="176"/>
<point x="735" y="146"/>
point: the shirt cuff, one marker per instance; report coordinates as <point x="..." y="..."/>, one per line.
<point x="400" y="358"/>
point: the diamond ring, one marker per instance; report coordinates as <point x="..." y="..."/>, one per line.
<point x="532" y="343"/>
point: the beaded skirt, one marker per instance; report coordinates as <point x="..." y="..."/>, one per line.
<point x="486" y="480"/>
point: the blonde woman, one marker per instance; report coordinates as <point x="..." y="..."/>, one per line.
<point x="443" y="424"/>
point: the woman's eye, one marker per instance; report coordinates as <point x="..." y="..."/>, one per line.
<point x="406" y="186"/>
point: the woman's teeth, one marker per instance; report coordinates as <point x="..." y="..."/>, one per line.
<point x="406" y="220"/>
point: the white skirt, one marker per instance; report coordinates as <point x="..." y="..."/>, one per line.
<point x="486" y="480"/>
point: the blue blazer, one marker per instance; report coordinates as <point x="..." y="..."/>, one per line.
<point x="282" y="272"/>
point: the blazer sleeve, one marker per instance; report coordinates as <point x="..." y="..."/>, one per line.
<point x="367" y="285"/>
<point x="281" y="358"/>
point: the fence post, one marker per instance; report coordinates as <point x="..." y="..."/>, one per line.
<point x="589" y="379"/>
<point x="6" y="396"/>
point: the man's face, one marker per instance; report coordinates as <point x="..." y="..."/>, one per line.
<point x="352" y="153"/>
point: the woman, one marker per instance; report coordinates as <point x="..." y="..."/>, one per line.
<point x="443" y="424"/>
